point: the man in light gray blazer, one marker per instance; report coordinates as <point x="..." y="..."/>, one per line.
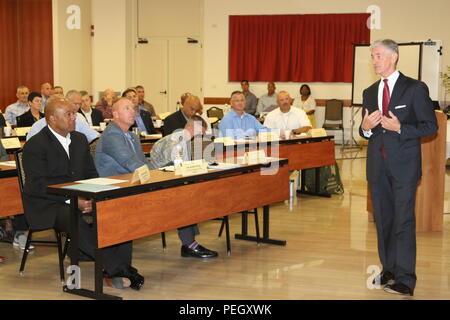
<point x="119" y="152"/>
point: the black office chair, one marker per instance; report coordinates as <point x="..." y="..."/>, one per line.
<point x="61" y="253"/>
<point x="215" y="112"/>
<point x="334" y="111"/>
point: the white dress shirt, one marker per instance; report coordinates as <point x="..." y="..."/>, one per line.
<point x="65" y="141"/>
<point x="392" y="79"/>
<point x="307" y="105"/>
<point x="88" y="116"/>
<point x="293" y="119"/>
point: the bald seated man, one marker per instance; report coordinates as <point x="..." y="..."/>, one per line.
<point x="106" y="102"/>
<point x="58" y="154"/>
<point x="191" y="105"/>
<point x="119" y="151"/>
<point x="46" y="92"/>
<point x="286" y="117"/>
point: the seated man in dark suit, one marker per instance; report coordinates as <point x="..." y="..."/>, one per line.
<point x="58" y="154"/>
<point x="143" y="118"/>
<point x="92" y="116"/>
<point x="119" y="152"/>
<point x="2" y="121"/>
<point x="178" y="119"/>
<point x="3" y="154"/>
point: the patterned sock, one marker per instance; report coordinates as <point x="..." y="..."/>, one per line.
<point x="193" y="245"/>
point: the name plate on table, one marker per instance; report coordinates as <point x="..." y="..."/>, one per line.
<point x="11" y="143"/>
<point x="255" y="157"/>
<point x="269" y="136"/>
<point x="227" y="141"/>
<point x="189" y="168"/>
<point x="317" y="133"/>
<point x="23" y="131"/>
<point x="141" y="174"/>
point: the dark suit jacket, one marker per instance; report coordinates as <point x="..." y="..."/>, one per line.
<point x="148" y="122"/>
<point x="417" y="120"/>
<point x="27" y="119"/>
<point x="46" y="163"/>
<point x="96" y="115"/>
<point x="173" y="122"/>
<point x="2" y="121"/>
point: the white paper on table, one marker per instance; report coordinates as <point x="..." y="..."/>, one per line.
<point x="167" y="169"/>
<point x="153" y="136"/>
<point x="102" y="181"/>
<point x="8" y="163"/>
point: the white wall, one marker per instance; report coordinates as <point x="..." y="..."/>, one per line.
<point x="109" y="45"/>
<point x="72" y="47"/>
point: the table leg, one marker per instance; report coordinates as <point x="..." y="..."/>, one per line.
<point x="74" y="256"/>
<point x="265" y="238"/>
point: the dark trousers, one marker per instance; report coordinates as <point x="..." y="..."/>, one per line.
<point x="187" y="234"/>
<point x="116" y="258"/>
<point x="394" y="204"/>
<point x="20" y="223"/>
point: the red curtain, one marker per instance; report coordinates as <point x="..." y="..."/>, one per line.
<point x="298" y="48"/>
<point x="26" y="46"/>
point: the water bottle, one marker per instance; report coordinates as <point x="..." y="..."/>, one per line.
<point x="178" y="156"/>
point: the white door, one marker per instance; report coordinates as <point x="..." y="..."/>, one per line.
<point x="170" y="63"/>
<point x="167" y="68"/>
<point x="152" y="72"/>
<point x="184" y="69"/>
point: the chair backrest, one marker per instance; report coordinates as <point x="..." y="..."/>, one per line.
<point x="18" y="156"/>
<point x="92" y="147"/>
<point x="334" y="110"/>
<point x="215" y="112"/>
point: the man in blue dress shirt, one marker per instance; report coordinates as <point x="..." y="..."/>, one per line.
<point x="18" y="108"/>
<point x="238" y="124"/>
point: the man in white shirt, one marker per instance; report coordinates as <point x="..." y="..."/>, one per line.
<point x="267" y="102"/>
<point x="75" y="98"/>
<point x="286" y="117"/>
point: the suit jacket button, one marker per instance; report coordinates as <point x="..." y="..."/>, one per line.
<point x="384" y="131"/>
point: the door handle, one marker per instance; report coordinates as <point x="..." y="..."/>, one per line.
<point x="165" y="92"/>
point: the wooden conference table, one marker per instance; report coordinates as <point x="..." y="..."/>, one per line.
<point x="303" y="153"/>
<point x="155" y="207"/>
<point x="10" y="198"/>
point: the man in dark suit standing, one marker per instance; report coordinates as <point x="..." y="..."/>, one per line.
<point x="397" y="113"/>
<point x="58" y="154"/>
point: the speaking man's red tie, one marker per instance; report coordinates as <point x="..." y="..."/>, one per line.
<point x="386" y="99"/>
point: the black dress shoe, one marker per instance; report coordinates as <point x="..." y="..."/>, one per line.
<point x="199" y="252"/>
<point x="399" y="288"/>
<point x="384" y="278"/>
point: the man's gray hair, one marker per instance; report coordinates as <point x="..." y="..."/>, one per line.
<point x="72" y="93"/>
<point x="389" y="44"/>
